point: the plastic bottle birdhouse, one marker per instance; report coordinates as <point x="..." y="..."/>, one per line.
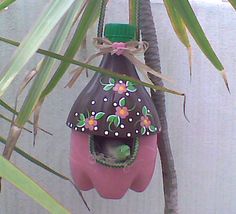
<point x="114" y="126"/>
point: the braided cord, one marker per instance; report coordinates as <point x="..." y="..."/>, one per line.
<point x="101" y="18"/>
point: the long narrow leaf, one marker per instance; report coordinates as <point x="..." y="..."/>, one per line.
<point x="187" y="14"/>
<point x="34" y="160"/>
<point x="13" y="111"/>
<point x="179" y="28"/>
<point x="87" y="19"/>
<point x="46" y="67"/>
<point x="31" y="43"/>
<point x="97" y="69"/>
<point x="233" y="3"/>
<point x="12" y="174"/>
<point x="5" y="4"/>
<point x="10" y="121"/>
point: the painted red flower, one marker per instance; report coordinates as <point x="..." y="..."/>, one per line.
<point x="120" y="88"/>
<point x="145" y="122"/>
<point x="90" y="123"/>
<point x="122" y="112"/>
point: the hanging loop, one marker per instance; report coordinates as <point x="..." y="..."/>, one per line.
<point x="134" y="14"/>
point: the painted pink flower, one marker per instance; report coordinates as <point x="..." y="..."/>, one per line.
<point x="145" y="122"/>
<point x="122" y="112"/>
<point x="120" y="88"/>
<point x="90" y="123"/>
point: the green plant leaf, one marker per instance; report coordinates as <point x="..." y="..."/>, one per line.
<point x="97" y="69"/>
<point x="46" y="66"/>
<point x="34" y="160"/>
<point x="122" y="102"/>
<point x="179" y="28"/>
<point x="233" y="3"/>
<point x="44" y="166"/>
<point x="91" y="11"/>
<point x="15" y="176"/>
<point x="5" y="4"/>
<point x="131" y="86"/>
<point x="56" y="9"/>
<point x="187" y="14"/>
<point x="144" y="110"/>
<point x="99" y="115"/>
<point x="108" y="87"/>
<point x="10" y="109"/>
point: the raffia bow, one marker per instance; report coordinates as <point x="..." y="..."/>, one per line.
<point x="127" y="50"/>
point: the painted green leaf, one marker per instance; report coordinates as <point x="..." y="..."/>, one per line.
<point x="131" y="86"/>
<point x="108" y="87"/>
<point x="82" y="117"/>
<point x="152" y="128"/>
<point x="15" y="176"/>
<point x="144" y="111"/>
<point x="111" y="118"/>
<point x="112" y="81"/>
<point x="99" y="115"/>
<point x="81" y="123"/>
<point x="122" y="102"/>
<point x="132" y="89"/>
<point x="117" y="121"/>
<point x="143" y="130"/>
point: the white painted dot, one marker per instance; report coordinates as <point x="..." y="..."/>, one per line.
<point x="155" y="128"/>
<point x="105" y="99"/>
<point x="137" y="131"/>
<point x="115" y="104"/>
<point x="148" y="111"/>
<point x="71" y="125"/>
<point x="116" y="133"/>
<point x="76" y="114"/>
<point x="93" y="102"/>
<point x="128" y="134"/>
<point x="120" y="81"/>
<point x="83" y="129"/>
<point x="127" y="94"/>
<point x="148" y="133"/>
<point x="130" y="119"/>
<point x="122" y="126"/>
<point x="93" y="113"/>
<point x="137" y="113"/>
<point x="106" y="132"/>
<point x="139" y="100"/>
<point x="76" y="128"/>
<point x="68" y="124"/>
<point x="95" y="128"/>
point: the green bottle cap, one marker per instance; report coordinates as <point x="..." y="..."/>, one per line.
<point x="120" y="32"/>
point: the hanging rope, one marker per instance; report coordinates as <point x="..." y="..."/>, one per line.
<point x="101" y="18"/>
<point x="134" y="20"/>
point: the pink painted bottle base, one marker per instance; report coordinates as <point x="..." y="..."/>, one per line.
<point x="111" y="183"/>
